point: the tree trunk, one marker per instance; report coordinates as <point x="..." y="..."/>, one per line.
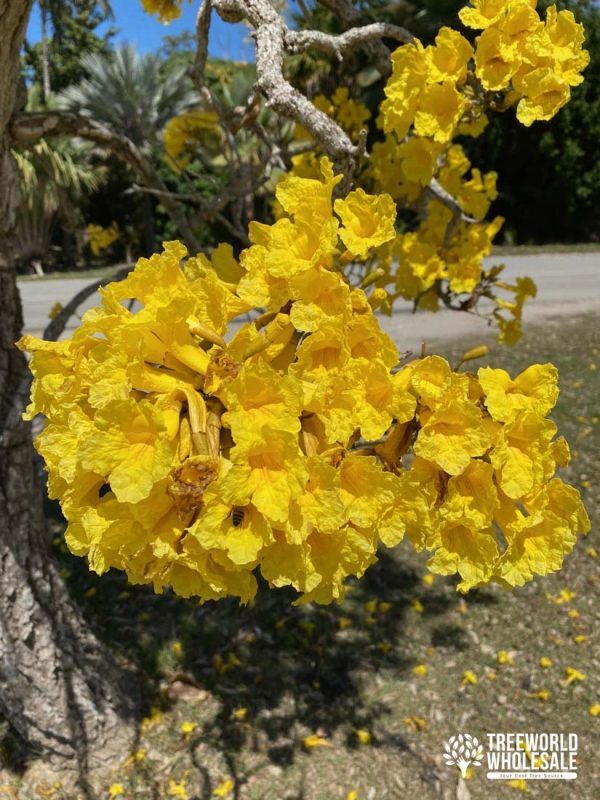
<point x="149" y="243"/>
<point x="46" y="89"/>
<point x="59" y="687"/>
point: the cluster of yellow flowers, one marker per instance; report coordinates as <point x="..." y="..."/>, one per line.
<point x="424" y="90"/>
<point x="538" y="62"/>
<point x="350" y="114"/>
<point x="192" y="448"/>
<point x="443" y="258"/>
<point x="432" y="88"/>
<point x="165" y="10"/>
<point x="100" y="238"/>
<point x="435" y="94"/>
<point x="187" y="130"/>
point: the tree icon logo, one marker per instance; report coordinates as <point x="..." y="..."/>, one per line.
<point x="463" y="750"/>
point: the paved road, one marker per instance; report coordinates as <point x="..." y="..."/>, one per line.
<point x="568" y="284"/>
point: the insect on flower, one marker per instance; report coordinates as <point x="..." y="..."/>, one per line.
<point x="237" y="516"/>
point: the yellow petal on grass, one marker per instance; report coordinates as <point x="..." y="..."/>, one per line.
<point x="518" y="783"/>
<point x="504" y="657"/>
<point x="580" y="638"/>
<point x="415" y="723"/>
<point x="573" y="676"/>
<point x="187" y="728"/>
<point x="469" y="678"/>
<point x="364" y="737"/>
<point x="177" y="789"/>
<point x="314" y="740"/>
<point x="224" y="789"/>
<point x="564" y="596"/>
<point x="543" y="695"/>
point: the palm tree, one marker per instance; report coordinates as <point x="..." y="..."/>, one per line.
<point x="53" y="180"/>
<point x="134" y="96"/>
<point x="50" y="16"/>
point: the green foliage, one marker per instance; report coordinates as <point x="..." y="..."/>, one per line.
<point x="74" y="26"/>
<point x="549" y="174"/>
<point x="130" y="93"/>
<point x="135" y="96"/>
<point x="54" y="180"/>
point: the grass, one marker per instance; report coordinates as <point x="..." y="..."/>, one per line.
<point x="542" y="249"/>
<point x="256" y="681"/>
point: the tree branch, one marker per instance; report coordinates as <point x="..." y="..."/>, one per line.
<point x="352" y="39"/>
<point x="240" y="187"/>
<point x="349" y="17"/>
<point x="56" y="326"/>
<point x="202" y="34"/>
<point x="436" y="191"/>
<point x="28" y="127"/>
<point x="270" y="32"/>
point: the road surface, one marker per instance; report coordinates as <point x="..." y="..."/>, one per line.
<point x="568" y="284"/>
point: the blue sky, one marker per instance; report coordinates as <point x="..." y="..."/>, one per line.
<point x="226" y="41"/>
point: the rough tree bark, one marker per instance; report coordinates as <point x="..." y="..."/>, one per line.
<point x="59" y="687"/>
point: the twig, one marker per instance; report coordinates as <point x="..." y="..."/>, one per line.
<point x="352" y="39"/>
<point x="161" y="193"/>
<point x="437" y="191"/>
<point x="349" y="17"/>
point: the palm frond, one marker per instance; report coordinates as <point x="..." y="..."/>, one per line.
<point x="130" y="93"/>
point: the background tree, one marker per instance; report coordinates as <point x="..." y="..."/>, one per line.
<point x="68" y="29"/>
<point x="135" y="97"/>
<point x="54" y="180"/>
